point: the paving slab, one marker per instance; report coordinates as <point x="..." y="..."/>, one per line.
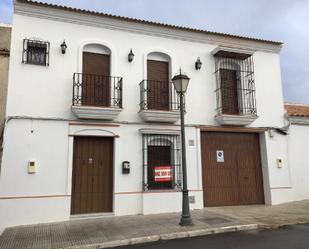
<point x="106" y="232"/>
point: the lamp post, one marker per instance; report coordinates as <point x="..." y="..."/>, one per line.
<point x="181" y="82"/>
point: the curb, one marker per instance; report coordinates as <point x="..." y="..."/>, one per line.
<point x="280" y="225"/>
<point x="170" y="236"/>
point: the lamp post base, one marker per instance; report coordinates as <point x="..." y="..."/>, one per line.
<point x="185" y="221"/>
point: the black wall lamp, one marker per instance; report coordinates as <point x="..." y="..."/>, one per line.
<point x="198" y="64"/>
<point x="125" y="167"/>
<point x="63" y="47"/>
<point x="130" y="56"/>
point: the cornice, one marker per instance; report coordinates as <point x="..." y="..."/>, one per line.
<point x="159" y="131"/>
<point x="299" y="120"/>
<point x="141" y="28"/>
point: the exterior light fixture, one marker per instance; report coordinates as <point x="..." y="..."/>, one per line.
<point x="130" y="56"/>
<point x="198" y="64"/>
<point x="63" y="47"/>
<point x="181" y="82"/>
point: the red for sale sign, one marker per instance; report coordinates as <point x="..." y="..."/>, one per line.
<point x="163" y="173"/>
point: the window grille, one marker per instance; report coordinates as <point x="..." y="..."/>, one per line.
<point x="235" y="91"/>
<point x="35" y="52"/>
<point x="161" y="162"/>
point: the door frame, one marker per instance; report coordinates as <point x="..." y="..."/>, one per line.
<point x="113" y="55"/>
<point x="78" y="130"/>
<point x="263" y="154"/>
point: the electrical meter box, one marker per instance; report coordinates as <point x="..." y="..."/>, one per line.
<point x="32" y="166"/>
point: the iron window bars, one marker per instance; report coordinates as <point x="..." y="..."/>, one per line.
<point x="36" y="52"/>
<point x="158" y="95"/>
<point x="97" y="90"/>
<point x="235" y="89"/>
<point x="161" y="154"/>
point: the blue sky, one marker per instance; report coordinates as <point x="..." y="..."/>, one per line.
<point x="282" y="20"/>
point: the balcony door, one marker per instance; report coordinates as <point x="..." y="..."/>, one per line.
<point x="96" y="79"/>
<point x="158" y="85"/>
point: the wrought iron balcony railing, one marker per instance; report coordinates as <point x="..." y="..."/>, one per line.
<point x="158" y="95"/>
<point x="97" y="90"/>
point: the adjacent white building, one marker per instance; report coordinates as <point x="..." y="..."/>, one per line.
<point x="94" y="129"/>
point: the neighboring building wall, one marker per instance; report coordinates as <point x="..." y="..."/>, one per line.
<point x="299" y="160"/>
<point x="5" y="42"/>
<point x="298" y="141"/>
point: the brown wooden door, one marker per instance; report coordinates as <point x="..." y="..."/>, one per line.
<point x="229" y="95"/>
<point x="158" y="156"/>
<point x="238" y="180"/>
<point x="158" y="85"/>
<point x="96" y="80"/>
<point x="92" y="178"/>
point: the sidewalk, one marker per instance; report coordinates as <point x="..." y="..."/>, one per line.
<point x="116" y="231"/>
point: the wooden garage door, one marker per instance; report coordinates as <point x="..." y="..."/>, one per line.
<point x="237" y="179"/>
<point x="96" y="79"/>
<point x="92" y="179"/>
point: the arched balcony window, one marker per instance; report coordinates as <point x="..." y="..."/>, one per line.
<point x="95" y="88"/>
<point x="157" y="93"/>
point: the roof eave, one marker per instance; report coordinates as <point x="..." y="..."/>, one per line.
<point x="135" y="20"/>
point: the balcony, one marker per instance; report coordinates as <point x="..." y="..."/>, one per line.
<point x="96" y="96"/>
<point x="235" y="92"/>
<point x="159" y="102"/>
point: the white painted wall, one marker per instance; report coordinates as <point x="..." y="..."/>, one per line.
<point x="37" y="91"/>
<point x="50" y="144"/>
<point x="32" y="84"/>
<point x="299" y="160"/>
<point x="279" y="178"/>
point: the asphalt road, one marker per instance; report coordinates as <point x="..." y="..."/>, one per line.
<point x="288" y="237"/>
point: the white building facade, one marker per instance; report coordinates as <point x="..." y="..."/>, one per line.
<point x="93" y="132"/>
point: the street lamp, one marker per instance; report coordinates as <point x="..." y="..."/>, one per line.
<point x="181" y="82"/>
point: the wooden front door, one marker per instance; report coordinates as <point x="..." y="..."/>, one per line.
<point x="92" y="178"/>
<point x="158" y="85"/>
<point x="237" y="178"/>
<point x="229" y="91"/>
<point x="96" y="79"/>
